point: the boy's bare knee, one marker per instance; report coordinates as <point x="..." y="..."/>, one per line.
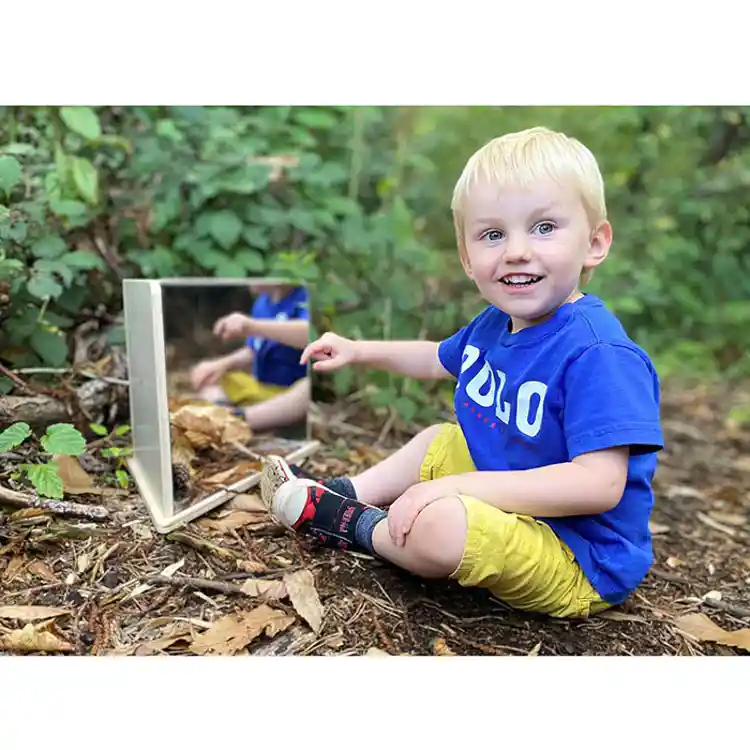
<point x="439" y="534"/>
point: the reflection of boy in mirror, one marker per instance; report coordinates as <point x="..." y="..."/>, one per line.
<point x="264" y="378"/>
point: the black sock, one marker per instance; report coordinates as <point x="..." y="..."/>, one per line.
<point x="339" y="522"/>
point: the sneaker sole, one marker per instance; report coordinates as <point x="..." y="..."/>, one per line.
<point x="276" y="472"/>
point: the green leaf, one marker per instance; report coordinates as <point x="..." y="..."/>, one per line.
<point x="122" y="430"/>
<point x="123" y="478"/>
<point x="45" y="478"/>
<point x="50" y="346"/>
<point x="74" y="211"/>
<point x="14" y="436"/>
<point x="17" y="149"/>
<point x="226" y="228"/>
<point x="43" y="285"/>
<point x="17" y="231"/>
<point x="82" y="120"/>
<point x="10" y="268"/>
<point x="116" y="336"/>
<point x="46" y="266"/>
<point x="406" y="408"/>
<point x="99" y="429"/>
<point x="10" y="173"/>
<point x="251" y="260"/>
<point x="83" y="260"/>
<point x="227" y="268"/>
<point x="86" y="179"/>
<point x="49" y="246"/>
<point x="63" y="439"/>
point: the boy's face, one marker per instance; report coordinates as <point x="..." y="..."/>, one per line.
<point x="525" y="249"/>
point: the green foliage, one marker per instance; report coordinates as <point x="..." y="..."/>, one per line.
<point x="60" y="439"/>
<point x="355" y="202"/>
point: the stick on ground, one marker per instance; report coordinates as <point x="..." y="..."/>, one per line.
<point x="55" y="507"/>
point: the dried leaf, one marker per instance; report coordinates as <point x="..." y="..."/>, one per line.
<point x="658" y="528"/>
<point x="441" y="648"/>
<point x="678" y="492"/>
<point x="235" y="520"/>
<point x="376" y="652"/>
<point x="251" y="503"/>
<point x="34" y="639"/>
<point x="30" y="612"/>
<point x="234" y="632"/>
<point x="702" y="628"/>
<point x="300" y="586"/>
<point x="535" y="651"/>
<point x="182" y="449"/>
<point x="170" y="570"/>
<point x="268" y="589"/>
<point x="234" y="474"/>
<point x="82" y="563"/>
<point x="674" y="562"/>
<point x="161" y="644"/>
<point x="251" y="566"/>
<point x="203" y="425"/>
<point x="14" y="568"/>
<point x="742" y="463"/>
<point x="76" y="480"/>
<point x="43" y="571"/>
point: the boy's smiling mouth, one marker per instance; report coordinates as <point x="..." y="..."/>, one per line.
<point x="520" y="279"/>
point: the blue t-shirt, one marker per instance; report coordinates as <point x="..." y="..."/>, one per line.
<point x="570" y="385"/>
<point x="276" y="363"/>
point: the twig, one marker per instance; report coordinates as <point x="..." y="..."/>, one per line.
<point x="56" y="507"/>
<point x="201" y="545"/>
<point x="731" y="609"/>
<point x="69" y="371"/>
<point x="219" y="587"/>
<point x="16" y="380"/>
<point x="703" y="518"/>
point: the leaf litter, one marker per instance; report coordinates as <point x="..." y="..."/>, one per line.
<point x="278" y="593"/>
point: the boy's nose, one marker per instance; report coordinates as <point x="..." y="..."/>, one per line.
<point x="517" y="250"/>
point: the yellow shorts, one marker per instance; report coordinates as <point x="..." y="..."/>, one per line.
<point x="519" y="559"/>
<point x="242" y="389"/>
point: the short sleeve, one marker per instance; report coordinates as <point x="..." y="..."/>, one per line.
<point x="611" y="400"/>
<point x="301" y="309"/>
<point x="450" y="350"/>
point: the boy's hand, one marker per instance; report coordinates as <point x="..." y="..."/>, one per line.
<point x="335" y="351"/>
<point x="206" y="373"/>
<point x="233" y="326"/>
<point x="404" y="511"/>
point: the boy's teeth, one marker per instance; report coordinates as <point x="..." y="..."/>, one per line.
<point x="520" y="279"/>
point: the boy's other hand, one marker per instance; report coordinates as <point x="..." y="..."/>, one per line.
<point x="233" y="326"/>
<point x="333" y="351"/>
<point x="206" y="373"/>
<point x="404" y="511"/>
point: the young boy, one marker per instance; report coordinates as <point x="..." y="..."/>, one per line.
<point x="542" y="491"/>
<point x="264" y="379"/>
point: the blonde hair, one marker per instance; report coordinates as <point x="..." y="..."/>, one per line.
<point x="522" y="159"/>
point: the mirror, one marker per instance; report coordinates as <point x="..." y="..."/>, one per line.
<point x="215" y="384"/>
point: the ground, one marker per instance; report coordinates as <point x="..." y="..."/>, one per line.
<point x="95" y="580"/>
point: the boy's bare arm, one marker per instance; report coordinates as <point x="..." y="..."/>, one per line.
<point x="589" y="484"/>
<point x="416" y="359"/>
<point x="295" y="333"/>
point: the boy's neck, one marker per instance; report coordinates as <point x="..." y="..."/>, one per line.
<point x="516" y="326"/>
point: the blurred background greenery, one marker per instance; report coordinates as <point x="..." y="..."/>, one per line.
<point x="355" y="201"/>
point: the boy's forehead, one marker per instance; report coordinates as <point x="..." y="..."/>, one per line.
<point x="486" y="200"/>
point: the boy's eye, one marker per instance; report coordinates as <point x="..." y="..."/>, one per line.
<point x="493" y="235"/>
<point x="545" y="227"/>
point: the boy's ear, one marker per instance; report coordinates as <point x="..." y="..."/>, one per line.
<point x="599" y="244"/>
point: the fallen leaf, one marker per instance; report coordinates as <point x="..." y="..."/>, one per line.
<point x="233" y="633"/>
<point x="43" y="571"/>
<point x="742" y="463"/>
<point x="535" y="651"/>
<point x="441" y="648"/>
<point x="235" y="520"/>
<point x="182" y="449"/>
<point x="82" y="563"/>
<point x="250" y="503"/>
<point x="376" y="652"/>
<point x="674" y="562"/>
<point x="30" y="612"/>
<point x="300" y="586"/>
<point x="730" y="519"/>
<point x="161" y="644"/>
<point x="702" y="628"/>
<point x="14" y="568"/>
<point x="269" y="589"/>
<point x="170" y="570"/>
<point x="253" y="566"/>
<point x="679" y="492"/>
<point x="204" y="425"/>
<point x="715" y="595"/>
<point x="76" y="480"/>
<point x="34" y="639"/>
<point x="658" y="528"/>
<point x="234" y="474"/>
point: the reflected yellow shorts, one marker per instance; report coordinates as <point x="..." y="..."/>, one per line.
<point x="242" y="389"/>
<point x="519" y="559"/>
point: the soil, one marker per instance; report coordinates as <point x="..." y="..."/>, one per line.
<point x="101" y="573"/>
